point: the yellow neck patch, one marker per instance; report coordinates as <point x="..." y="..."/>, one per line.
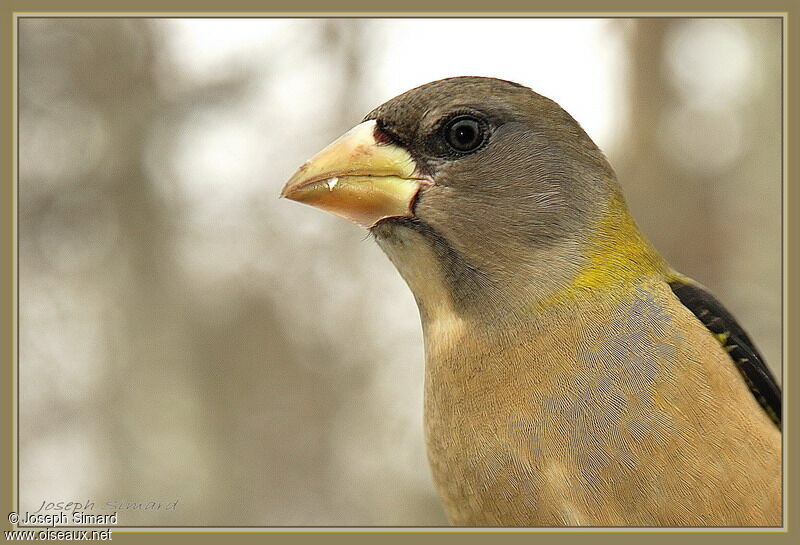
<point x="618" y="256"/>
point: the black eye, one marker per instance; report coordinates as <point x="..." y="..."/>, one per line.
<point x="465" y="134"/>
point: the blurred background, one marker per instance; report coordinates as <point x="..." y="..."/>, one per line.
<point x="185" y="335"/>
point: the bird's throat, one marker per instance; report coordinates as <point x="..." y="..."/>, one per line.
<point x="432" y="271"/>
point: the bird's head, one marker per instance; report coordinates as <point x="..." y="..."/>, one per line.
<point x="475" y="187"/>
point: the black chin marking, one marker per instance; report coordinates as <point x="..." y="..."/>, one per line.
<point x="464" y="281"/>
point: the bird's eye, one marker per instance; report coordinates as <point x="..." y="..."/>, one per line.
<point x="465" y="134"/>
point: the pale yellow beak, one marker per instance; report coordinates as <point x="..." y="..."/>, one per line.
<point x="358" y="178"/>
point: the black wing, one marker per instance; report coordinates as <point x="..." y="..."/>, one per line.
<point x="738" y="345"/>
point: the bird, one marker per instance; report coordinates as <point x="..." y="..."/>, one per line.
<point x="572" y="376"/>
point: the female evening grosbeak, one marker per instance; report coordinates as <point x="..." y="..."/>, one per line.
<point x="572" y="377"/>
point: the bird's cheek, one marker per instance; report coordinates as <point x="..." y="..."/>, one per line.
<point x="435" y="204"/>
